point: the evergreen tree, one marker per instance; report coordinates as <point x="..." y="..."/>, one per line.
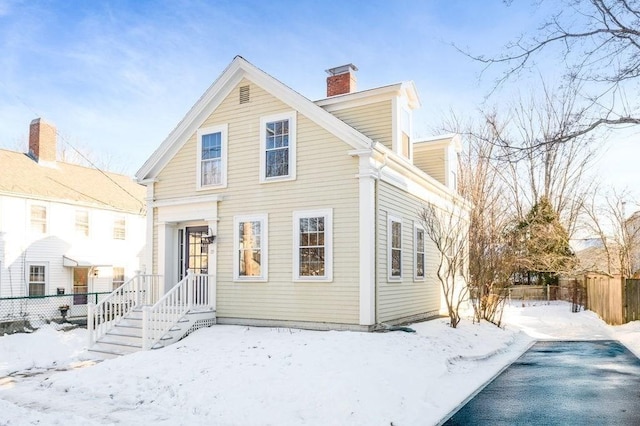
<point x="542" y="244"/>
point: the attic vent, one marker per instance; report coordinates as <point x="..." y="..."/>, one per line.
<point x="244" y="94"/>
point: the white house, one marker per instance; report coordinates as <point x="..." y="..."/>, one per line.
<point x="312" y="206"/>
<point x="64" y="228"/>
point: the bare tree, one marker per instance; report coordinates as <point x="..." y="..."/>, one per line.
<point x="533" y="169"/>
<point x="491" y="262"/>
<point x="448" y="229"/>
<point x="599" y="43"/>
<point x="618" y="235"/>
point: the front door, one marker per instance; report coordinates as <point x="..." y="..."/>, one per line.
<point x="194" y="254"/>
<point x="80" y="285"/>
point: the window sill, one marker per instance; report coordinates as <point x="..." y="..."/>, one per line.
<point x="210" y="187"/>
<point x="250" y="280"/>
<point x="313" y="280"/>
<point x="278" y="179"/>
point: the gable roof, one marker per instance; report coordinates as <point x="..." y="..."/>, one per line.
<point x="220" y="89"/>
<point x="63" y="182"/>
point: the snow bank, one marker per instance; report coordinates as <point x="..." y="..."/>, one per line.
<point x="231" y="375"/>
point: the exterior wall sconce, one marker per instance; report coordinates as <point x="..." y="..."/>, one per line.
<point x="209" y="238"/>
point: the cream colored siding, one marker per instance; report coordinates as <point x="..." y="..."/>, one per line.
<point x="401" y="299"/>
<point x="373" y="120"/>
<point x="431" y="161"/>
<point x="325" y="179"/>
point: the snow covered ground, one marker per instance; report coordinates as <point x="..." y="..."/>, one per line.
<point x="232" y="375"/>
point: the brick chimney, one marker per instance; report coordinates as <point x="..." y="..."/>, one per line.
<point x="42" y="141"/>
<point x="341" y="80"/>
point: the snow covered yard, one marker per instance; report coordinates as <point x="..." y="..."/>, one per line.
<point x="231" y="375"/>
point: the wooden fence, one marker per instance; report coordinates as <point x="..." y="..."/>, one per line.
<point x="616" y="300"/>
<point x="632" y="299"/>
<point x="606" y="297"/>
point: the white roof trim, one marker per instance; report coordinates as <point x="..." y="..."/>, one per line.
<point x="73" y="263"/>
<point x="219" y="90"/>
<point x="348" y="100"/>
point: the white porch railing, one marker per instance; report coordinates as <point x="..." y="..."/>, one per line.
<point x="138" y="291"/>
<point x="193" y="292"/>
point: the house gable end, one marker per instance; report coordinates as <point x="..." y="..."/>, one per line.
<point x="238" y="70"/>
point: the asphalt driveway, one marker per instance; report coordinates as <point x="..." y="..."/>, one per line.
<point x="561" y="383"/>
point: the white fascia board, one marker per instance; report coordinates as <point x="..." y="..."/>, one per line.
<point x="307" y="108"/>
<point x="402" y="174"/>
<point x="207" y="103"/>
<point x="364" y="97"/>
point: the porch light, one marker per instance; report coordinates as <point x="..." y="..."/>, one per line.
<point x="209" y="238"/>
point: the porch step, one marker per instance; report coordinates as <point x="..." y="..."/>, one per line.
<point x="126" y="336"/>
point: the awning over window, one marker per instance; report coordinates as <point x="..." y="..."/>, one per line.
<point x="80" y="263"/>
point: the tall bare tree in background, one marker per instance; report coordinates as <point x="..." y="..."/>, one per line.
<point x="491" y="261"/>
<point x="599" y="45"/>
<point x="540" y="158"/>
<point x="619" y="236"/>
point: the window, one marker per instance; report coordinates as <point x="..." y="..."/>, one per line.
<point x="118" y="277"/>
<point x="313" y="257"/>
<point x="419" y="253"/>
<point x="250" y="244"/>
<point x="82" y="223"/>
<point x="119" y="228"/>
<point x="394" y="232"/>
<point x="39" y="219"/>
<point x="212" y="157"/>
<point x="278" y="147"/>
<point x="37" y="280"/>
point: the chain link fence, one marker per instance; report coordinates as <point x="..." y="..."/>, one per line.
<point x="34" y="310"/>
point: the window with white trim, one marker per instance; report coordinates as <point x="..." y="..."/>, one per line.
<point x="394" y="243"/>
<point x="82" y="223"/>
<point x="250" y="248"/>
<point x="117" y="277"/>
<point x="39" y="219"/>
<point x="418" y="273"/>
<point x="278" y="147"/>
<point x="37" y="280"/>
<point x="212" y="157"/>
<point x="313" y="245"/>
<point x="119" y="228"/>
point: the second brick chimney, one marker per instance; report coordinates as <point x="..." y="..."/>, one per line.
<point x="42" y="141"/>
<point x="341" y="80"/>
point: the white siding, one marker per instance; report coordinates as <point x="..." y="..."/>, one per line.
<point x="19" y="246"/>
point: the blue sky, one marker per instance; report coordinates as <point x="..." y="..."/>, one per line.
<point x="116" y="76"/>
